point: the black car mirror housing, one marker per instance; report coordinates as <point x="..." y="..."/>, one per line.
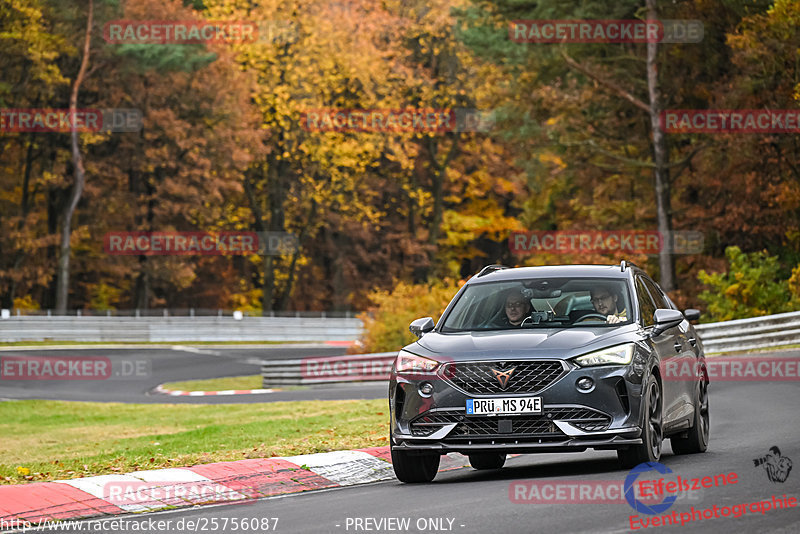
<point x="665" y="319"/>
<point x="691" y="314"/>
<point x="420" y="327"/>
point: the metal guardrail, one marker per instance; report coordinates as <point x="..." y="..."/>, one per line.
<point x="750" y="334"/>
<point x="728" y="336"/>
<point x="327" y="369"/>
<point x="168" y="329"/>
<point x="173" y="312"/>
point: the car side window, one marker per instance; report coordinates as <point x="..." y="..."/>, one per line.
<point x="656" y="293"/>
<point x="646" y="306"/>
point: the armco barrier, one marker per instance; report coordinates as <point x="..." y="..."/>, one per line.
<point x="741" y="334"/>
<point x="116" y="329"/>
<point x="729" y="336"/>
<point x="327" y="369"/>
<point x="750" y="334"/>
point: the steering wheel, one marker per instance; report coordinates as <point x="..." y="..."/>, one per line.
<point x="592" y="316"/>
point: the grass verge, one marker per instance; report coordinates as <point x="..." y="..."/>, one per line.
<point x="52" y="440"/>
<point x="217" y="384"/>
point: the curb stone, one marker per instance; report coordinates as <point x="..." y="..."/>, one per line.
<point x="236" y="482"/>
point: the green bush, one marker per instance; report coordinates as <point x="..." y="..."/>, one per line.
<point x="752" y="287"/>
<point x="386" y="322"/>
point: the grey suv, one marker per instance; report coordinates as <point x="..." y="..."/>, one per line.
<point x="549" y="359"/>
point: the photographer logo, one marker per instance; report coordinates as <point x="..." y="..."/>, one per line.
<point x="777" y="467"/>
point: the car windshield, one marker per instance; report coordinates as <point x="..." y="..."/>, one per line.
<point x="540" y="303"/>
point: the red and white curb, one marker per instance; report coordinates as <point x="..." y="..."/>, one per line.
<point x="179" y="393"/>
<point x="236" y="482"/>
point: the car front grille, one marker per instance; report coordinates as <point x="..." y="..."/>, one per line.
<point x="542" y="425"/>
<point x="516" y="426"/>
<point x="479" y="378"/>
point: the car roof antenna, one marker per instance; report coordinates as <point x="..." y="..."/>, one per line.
<point x="622" y="265"/>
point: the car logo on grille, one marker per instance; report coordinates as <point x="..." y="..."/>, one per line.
<point x="503" y="377"/>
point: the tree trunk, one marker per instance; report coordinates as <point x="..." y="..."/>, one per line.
<point x="270" y="175"/>
<point x="62" y="285"/>
<point x="666" y="261"/>
<point x="287" y="292"/>
<point x="7" y="300"/>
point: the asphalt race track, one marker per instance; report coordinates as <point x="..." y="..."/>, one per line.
<point x="176" y="363"/>
<point x="747" y="419"/>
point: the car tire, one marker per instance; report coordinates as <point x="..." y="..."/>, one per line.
<point x="487" y="460"/>
<point x="414" y="468"/>
<point x="652" y="429"/>
<point x="697" y="439"/>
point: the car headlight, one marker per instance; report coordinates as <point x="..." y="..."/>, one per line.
<point x="619" y="355"/>
<point x="411" y="363"/>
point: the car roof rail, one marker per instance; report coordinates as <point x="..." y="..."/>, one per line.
<point x="490" y="269"/>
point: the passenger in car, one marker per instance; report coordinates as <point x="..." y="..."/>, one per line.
<point x="606" y="302"/>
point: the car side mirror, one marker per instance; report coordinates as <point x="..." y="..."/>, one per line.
<point x="420" y="327"/>
<point x="691" y="314"/>
<point x="666" y="319"/>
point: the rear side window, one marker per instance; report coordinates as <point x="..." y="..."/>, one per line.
<point x="655" y="292"/>
<point x="646" y="305"/>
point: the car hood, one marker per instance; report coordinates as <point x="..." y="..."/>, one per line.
<point x="538" y="342"/>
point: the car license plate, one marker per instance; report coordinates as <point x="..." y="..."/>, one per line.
<point x="504" y="405"/>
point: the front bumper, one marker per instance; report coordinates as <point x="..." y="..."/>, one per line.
<point x="605" y="417"/>
<point x="568" y="445"/>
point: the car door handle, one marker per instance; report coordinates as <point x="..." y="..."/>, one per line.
<point x="678" y="346"/>
<point x="693" y="341"/>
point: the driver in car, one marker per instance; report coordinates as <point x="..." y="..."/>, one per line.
<point x="606" y="303"/>
<point x="517" y="308"/>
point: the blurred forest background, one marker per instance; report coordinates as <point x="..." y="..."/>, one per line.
<point x="390" y="221"/>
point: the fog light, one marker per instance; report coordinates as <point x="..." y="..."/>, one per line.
<point x="425" y="389"/>
<point x="585" y="384"/>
